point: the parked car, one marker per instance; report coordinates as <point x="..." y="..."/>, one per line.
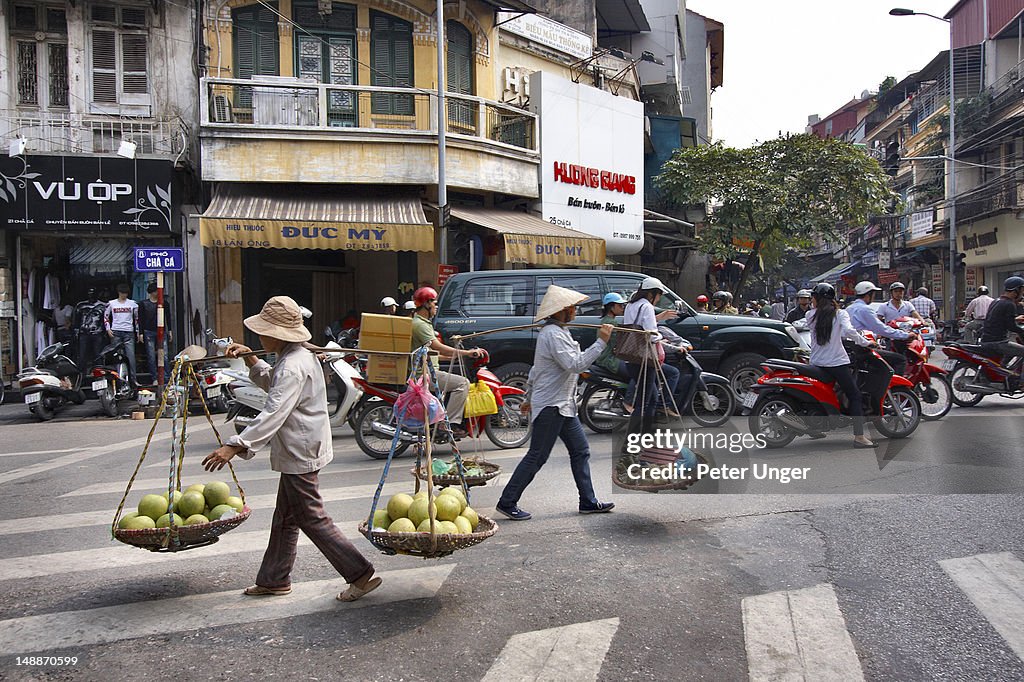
<point x="470" y="302"/>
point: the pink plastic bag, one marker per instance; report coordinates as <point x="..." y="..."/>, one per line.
<point x="416" y="405"/>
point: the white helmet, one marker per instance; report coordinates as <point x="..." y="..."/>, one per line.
<point x="653" y="283"/>
<point x="386" y="301"/>
<point x="865" y="288"/>
<point x="897" y="285"/>
<point x="409" y="305"/>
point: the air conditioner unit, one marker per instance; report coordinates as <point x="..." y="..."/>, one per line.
<point x="221" y="109"/>
<point x="684" y="95"/>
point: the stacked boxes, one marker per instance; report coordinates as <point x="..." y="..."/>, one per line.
<point x="386" y="333"/>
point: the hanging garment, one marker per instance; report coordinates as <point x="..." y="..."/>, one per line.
<point x="51" y="292"/>
<point x="28" y="330"/>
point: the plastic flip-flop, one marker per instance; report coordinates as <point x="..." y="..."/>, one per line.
<point x="260" y="591"/>
<point x="353" y="592"/>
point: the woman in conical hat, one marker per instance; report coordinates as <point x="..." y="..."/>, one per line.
<point x="551" y="399"/>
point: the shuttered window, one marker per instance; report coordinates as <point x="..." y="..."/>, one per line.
<point x="391" y="63"/>
<point x="40" y="55"/>
<point x="255" y="47"/>
<point x="462" y="114"/>
<point x="120" y="55"/>
<point x="104" y="66"/>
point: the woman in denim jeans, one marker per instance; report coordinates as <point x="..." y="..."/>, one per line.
<point x="551" y="399"/>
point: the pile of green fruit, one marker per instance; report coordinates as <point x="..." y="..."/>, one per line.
<point x="411" y="514"/>
<point x="441" y="468"/>
<point x="198" y="504"/>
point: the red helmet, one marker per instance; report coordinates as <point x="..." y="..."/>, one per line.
<point x="702" y="299"/>
<point x="424" y="295"/>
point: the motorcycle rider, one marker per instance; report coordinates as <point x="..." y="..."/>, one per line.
<point x="721" y="302"/>
<point x="778" y="309"/>
<point x="614" y="306"/>
<point x="976" y="312"/>
<point x="863" y="318"/>
<point x="1002" y="319"/>
<point x="896" y="307"/>
<point x="389" y="306"/>
<point x="641" y="311"/>
<point x="702" y="304"/>
<point x="408" y="309"/>
<point x="925" y="306"/>
<point x="803" y="304"/>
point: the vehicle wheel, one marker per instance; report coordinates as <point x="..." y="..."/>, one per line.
<point x="78" y="397"/>
<point x="43" y="410"/>
<point x="357" y="409"/>
<point x="899" y="400"/>
<point x="334" y="395"/>
<point x="597" y="397"/>
<point x="936" y="398"/>
<point x="723" y="404"/>
<point x="742" y="370"/>
<point x="108" y="402"/>
<point x="762" y="421"/>
<point x="509" y="428"/>
<point x="962" y="375"/>
<point x="218" y="405"/>
<point x="514" y="374"/>
<point x="372" y="444"/>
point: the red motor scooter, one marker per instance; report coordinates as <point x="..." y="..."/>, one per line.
<point x="977" y="371"/>
<point x="931" y="382"/>
<point x="375" y="427"/>
<point x="794" y="399"/>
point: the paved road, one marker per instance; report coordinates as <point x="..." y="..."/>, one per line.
<point x="886" y="584"/>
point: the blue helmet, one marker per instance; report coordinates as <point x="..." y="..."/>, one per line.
<point x="613" y="297"/>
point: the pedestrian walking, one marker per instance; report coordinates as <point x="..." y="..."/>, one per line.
<point x="294" y="422"/>
<point x="551" y="400"/>
<point x="121" y="320"/>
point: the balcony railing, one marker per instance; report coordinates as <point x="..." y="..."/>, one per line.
<point x="295" y="105"/>
<point x="1002" y="195"/>
<point x="90" y="134"/>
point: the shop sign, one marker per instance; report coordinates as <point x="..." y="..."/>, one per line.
<point x="971" y="282"/>
<point x="544" y="31"/>
<point x="558" y="251"/>
<point x="592" y="161"/>
<point x="887" y="276"/>
<point x="937" y="282"/>
<point x="159" y="259"/>
<point x="95" y="194"/>
<point x="869" y="258"/>
<point x="921" y="224"/>
<point x="884" y="260"/>
<point x="444" y="272"/>
<point x="973" y="242"/>
<point x="254" y="233"/>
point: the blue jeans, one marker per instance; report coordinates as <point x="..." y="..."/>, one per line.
<point x="129" y="351"/>
<point x="547" y="428"/>
<point x="647" y="392"/>
<point x="151" y="353"/>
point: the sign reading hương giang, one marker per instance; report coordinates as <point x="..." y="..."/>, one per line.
<point x="592" y="161"/>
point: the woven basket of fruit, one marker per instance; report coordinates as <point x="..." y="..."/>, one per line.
<point x="175" y="539"/>
<point x="424" y="544"/>
<point x="654" y="471"/>
<point x="478" y="472"/>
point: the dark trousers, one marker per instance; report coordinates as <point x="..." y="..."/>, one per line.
<point x="896" y="357"/>
<point x="89" y="347"/>
<point x="843" y="375"/>
<point x="646" y="397"/>
<point x="151" y="354"/>
<point x="548" y="427"/>
<point x="300" y="507"/>
<point x="129" y="352"/>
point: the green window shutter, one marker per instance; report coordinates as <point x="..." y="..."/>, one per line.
<point x="460" y="58"/>
<point x="255" y="47"/>
<point x="392" y="63"/>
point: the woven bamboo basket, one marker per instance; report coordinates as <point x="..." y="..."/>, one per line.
<point x="489" y="472"/>
<point x="419" y="544"/>
<point x="180" y="537"/>
<point x="621" y="480"/>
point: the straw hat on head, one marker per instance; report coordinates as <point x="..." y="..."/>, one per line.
<point x="558" y="298"/>
<point x="281" y="318"/>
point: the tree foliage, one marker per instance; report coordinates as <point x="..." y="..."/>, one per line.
<point x="783" y="193"/>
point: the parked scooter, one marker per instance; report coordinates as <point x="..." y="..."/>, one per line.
<point x="794" y="399"/>
<point x="976" y="370"/>
<point x="110" y="380"/>
<point x="214" y="378"/>
<point x="930" y="381"/>
<point x="376" y="425"/>
<point x="51" y="383"/>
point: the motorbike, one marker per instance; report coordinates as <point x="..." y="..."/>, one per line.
<point x="214" y="380"/>
<point x="976" y="370"/>
<point x="930" y="381"/>
<point x="706" y="397"/>
<point x="376" y="425"/>
<point x="110" y="380"/>
<point x="794" y="399"/>
<point x="51" y="383"/>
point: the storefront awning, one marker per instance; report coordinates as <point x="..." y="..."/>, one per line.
<point x="270" y="217"/>
<point x="531" y="240"/>
<point x="836" y="272"/>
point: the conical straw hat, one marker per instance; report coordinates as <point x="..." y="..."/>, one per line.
<point x="558" y="298"/>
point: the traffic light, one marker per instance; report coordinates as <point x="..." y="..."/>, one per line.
<point x="959" y="263"/>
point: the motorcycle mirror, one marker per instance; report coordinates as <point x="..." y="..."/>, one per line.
<point x="329" y="333"/>
<point x="306" y="312"/>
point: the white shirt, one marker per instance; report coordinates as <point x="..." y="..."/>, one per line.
<point x="833" y="354"/>
<point x="890" y="312"/>
<point x="294" y="420"/>
<point x="557" y="363"/>
<point x="122" y="316"/>
<point x="977" y="309"/>
<point x="641" y="312"/>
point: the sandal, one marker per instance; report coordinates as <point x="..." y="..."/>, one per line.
<point x="260" y="591"/>
<point x="353" y="592"/>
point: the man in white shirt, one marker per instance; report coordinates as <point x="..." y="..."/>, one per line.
<point x="896" y="307"/>
<point x="977" y="311"/>
<point x="121" y="320"/>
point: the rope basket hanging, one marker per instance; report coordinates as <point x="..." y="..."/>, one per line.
<point x="422" y="544"/>
<point x="488" y="470"/>
<point x="621" y="479"/>
<point x="175" y="538"/>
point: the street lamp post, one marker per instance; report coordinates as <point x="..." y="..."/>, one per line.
<point x="442" y="125"/>
<point x="951" y="156"/>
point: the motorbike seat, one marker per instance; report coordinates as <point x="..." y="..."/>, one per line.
<point x="801" y="368"/>
<point x="597" y="370"/>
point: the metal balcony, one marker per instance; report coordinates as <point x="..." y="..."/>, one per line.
<point x="67" y="133"/>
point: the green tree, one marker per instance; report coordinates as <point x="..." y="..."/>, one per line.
<point x="783" y="193"/>
<point x="886" y="85"/>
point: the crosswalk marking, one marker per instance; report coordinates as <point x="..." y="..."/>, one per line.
<point x="44" y="452"/>
<point x="798" y="635"/>
<point x="995" y="585"/>
<point x="571" y="653"/>
<point x="19" y="636"/>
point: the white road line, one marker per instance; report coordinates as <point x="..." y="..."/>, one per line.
<point x="571" y="653"/>
<point x="995" y="585"/>
<point x="798" y="635"/>
<point x="45" y="452"/>
<point x="199" y="612"/>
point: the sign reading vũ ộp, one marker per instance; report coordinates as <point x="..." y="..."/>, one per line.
<point x="540" y="29"/>
<point x="592" y="161"/>
<point x="86" y="193"/>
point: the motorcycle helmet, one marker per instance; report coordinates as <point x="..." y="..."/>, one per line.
<point x="824" y="291"/>
<point x="721" y="296"/>
<point x="702" y="299"/>
<point x="388" y="301"/>
<point x="612" y="297"/>
<point x="982" y="290"/>
<point x="1013" y="283"/>
<point x="424" y="295"/>
<point x="653" y="283"/>
<point x="897" y="285"/>
<point x="803" y="293"/>
<point x="864" y="288"/>
<point x="409" y="305"/>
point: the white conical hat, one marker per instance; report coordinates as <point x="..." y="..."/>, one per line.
<point x="558" y="298"/>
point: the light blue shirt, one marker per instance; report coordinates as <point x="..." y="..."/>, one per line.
<point x="889" y="312"/>
<point x="833" y="354"/>
<point x="863" y="318"/>
<point x="557" y="363"/>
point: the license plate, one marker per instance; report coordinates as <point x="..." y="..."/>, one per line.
<point x="949" y="365"/>
<point x="99" y="385"/>
<point x="749" y="399"/>
<point x="213" y="391"/>
<point x="33" y="398"/>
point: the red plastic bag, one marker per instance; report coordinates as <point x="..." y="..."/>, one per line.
<point x="417" y="405"/>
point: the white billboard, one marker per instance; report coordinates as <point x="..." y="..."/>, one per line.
<point x="540" y="29"/>
<point x="592" y="161"/>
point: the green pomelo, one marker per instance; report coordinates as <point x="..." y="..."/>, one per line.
<point x="137" y="523"/>
<point x="236" y="502"/>
<point x="448" y="507"/>
<point x="456" y="492"/>
<point x="463" y="524"/>
<point x="129" y="515"/>
<point x="473" y="517"/>
<point x="402" y="526"/>
<point x="153" y="506"/>
<point x="198" y="487"/>
<point x="447" y="528"/>
<point x="220" y="510"/>
<point x="419" y="510"/>
<point x="216" y="493"/>
<point x="191" y="503"/>
<point x="196" y="519"/>
<point x="421" y="495"/>
<point x="206" y="512"/>
<point x="425" y="526"/>
<point x="398" y="506"/>
<point x="381" y="519"/>
<point x="165" y="521"/>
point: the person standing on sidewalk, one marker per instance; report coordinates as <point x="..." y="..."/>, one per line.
<point x="148" y="323"/>
<point x="121" y="320"/>
<point x="551" y="399"/>
<point x="294" y="422"/>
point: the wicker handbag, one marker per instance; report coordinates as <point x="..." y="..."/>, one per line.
<point x="633" y="347"/>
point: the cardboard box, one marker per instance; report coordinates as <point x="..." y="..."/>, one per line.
<point x="386" y="333"/>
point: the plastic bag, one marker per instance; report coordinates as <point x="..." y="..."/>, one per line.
<point x="481" y="401"/>
<point x="417" y="405"/>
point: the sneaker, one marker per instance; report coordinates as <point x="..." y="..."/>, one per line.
<point x="600" y="508"/>
<point x="514" y="513"/>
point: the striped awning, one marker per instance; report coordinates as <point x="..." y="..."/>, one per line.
<point x="295" y="217"/>
<point x="532" y="240"/>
